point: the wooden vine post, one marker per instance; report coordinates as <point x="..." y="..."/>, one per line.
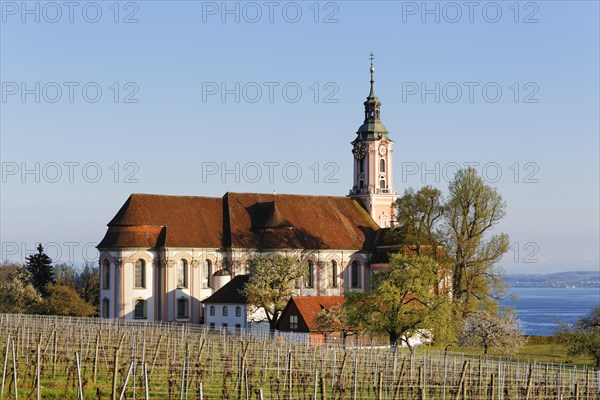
<point x="461" y="389"/>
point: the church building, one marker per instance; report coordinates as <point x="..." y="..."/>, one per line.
<point x="162" y="255"/>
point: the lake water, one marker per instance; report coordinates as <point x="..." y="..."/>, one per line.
<point x="539" y="309"/>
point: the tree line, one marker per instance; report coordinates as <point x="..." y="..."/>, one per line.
<point x="443" y="283"/>
<point x="39" y="287"/>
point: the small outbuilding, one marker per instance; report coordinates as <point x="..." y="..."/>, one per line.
<point x="301" y="311"/>
<point x="227" y="308"/>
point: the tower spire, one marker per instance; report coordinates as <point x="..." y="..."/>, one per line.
<point x="372" y="150"/>
<point x="372" y="128"/>
<point x="372" y="69"/>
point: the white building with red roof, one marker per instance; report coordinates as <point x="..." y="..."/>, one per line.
<point x="162" y="255"/>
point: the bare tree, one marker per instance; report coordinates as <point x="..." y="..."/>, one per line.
<point x="335" y="320"/>
<point x="87" y="284"/>
<point x="271" y="284"/>
<point x="472" y="211"/>
<point x="492" y="330"/>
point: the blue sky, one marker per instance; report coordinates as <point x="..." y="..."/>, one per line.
<point x="172" y="93"/>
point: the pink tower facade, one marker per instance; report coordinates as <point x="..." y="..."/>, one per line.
<point x="373" y="156"/>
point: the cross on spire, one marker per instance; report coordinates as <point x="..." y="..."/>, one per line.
<point x="372" y="57"/>
<point x="372" y="105"/>
<point x="372" y="69"/>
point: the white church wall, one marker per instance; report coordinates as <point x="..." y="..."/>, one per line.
<point x="130" y="293"/>
<point x="107" y="296"/>
<point x="193" y="291"/>
<point x="231" y="321"/>
<point x="161" y="292"/>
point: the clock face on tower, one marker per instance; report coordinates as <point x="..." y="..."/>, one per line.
<point x="359" y="150"/>
<point x="382" y="150"/>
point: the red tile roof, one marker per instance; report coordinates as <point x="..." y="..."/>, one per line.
<point x="188" y="221"/>
<point x="310" y="306"/>
<point x="134" y="236"/>
<point x="298" y="222"/>
<point x="242" y="220"/>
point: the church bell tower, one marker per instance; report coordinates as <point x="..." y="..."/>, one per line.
<point x="372" y="150"/>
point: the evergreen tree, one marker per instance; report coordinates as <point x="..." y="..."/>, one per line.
<point x="40" y="267"/>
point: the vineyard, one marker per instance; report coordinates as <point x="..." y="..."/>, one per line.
<point x="84" y="358"/>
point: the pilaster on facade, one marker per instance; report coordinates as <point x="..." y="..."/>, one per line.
<point x="373" y="156"/>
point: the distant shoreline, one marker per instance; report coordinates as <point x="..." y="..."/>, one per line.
<point x="562" y="280"/>
<point x="550" y="286"/>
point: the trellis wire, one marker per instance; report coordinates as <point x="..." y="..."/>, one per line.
<point x="87" y="358"/>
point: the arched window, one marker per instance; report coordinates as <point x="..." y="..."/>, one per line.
<point x="105" y="308"/>
<point x="106" y="274"/>
<point x="183" y="308"/>
<point x="361" y="184"/>
<point x="225" y="311"/>
<point x="140" y="274"/>
<point x="182" y="274"/>
<point x="361" y="165"/>
<point x="238" y="311"/>
<point x="332" y="275"/>
<point x="382" y="184"/>
<point x="355" y="275"/>
<point x="382" y="165"/>
<point x="206" y="273"/>
<point x="139" y="310"/>
<point x="309" y="279"/>
<point x="212" y="310"/>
